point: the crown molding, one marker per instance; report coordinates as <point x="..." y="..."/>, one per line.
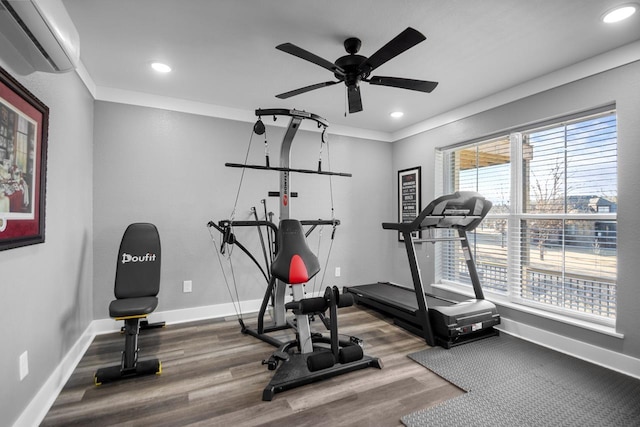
<point x="607" y="61"/>
<point x="612" y="59"/>
<point x="102" y="93"/>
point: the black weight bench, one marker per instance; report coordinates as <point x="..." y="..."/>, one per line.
<point x="136" y="288"/>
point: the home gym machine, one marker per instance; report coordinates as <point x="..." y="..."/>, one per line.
<point x="446" y="322"/>
<point x="311" y="356"/>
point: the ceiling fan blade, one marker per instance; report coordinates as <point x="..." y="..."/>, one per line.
<point x="308" y="56"/>
<point x="355" y="100"/>
<point x="419" y="85"/>
<point x="403" y="41"/>
<point x="305" y="89"/>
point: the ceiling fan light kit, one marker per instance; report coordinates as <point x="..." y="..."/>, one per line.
<point x="353" y="68"/>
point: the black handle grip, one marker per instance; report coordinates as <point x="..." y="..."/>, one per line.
<point x="391" y="226"/>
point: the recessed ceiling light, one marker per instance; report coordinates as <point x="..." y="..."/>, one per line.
<point x="619" y="13"/>
<point x="397" y="114"/>
<point x="160" y="67"/>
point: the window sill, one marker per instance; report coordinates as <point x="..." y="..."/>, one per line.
<point x="499" y="300"/>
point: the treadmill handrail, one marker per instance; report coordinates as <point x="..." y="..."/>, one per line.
<point x="445" y="212"/>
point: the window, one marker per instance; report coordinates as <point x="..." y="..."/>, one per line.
<point x="550" y="238"/>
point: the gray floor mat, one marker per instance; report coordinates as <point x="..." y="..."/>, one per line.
<point x="511" y="382"/>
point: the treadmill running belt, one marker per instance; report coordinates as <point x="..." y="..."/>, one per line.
<point x="395" y="295"/>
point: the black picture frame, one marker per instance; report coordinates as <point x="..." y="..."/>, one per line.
<point x="409" y="197"/>
<point x="24" y="126"/>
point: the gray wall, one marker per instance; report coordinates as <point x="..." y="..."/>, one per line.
<point x="168" y="168"/>
<point x="46" y="289"/>
<point x="621" y="86"/>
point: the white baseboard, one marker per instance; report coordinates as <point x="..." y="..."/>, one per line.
<point x="193" y="314"/>
<point x="37" y="409"/>
<point x="597" y="355"/>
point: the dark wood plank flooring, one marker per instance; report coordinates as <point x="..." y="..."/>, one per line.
<point x="212" y="375"/>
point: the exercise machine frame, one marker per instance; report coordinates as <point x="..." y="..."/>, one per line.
<point x="295" y="369"/>
<point x="277" y="294"/>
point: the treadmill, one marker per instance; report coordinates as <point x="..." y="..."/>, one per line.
<point x="439" y="321"/>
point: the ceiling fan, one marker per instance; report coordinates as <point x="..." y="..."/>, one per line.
<point x="352" y="68"/>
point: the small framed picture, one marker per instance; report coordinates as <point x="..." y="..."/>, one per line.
<point x="409" y="189"/>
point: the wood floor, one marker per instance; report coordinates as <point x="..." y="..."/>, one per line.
<point x="212" y="375"/>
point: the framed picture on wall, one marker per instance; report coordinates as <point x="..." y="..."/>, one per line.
<point x="24" y="122"/>
<point x="409" y="189"/>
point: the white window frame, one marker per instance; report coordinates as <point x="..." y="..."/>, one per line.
<point x="515" y="217"/>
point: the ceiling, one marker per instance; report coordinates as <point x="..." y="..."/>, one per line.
<point x="223" y="52"/>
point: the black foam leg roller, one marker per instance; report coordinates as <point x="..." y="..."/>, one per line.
<point x="292" y="305"/>
<point x="322" y="360"/>
<point x="345" y="300"/>
<point x="350" y="353"/>
<point x="313" y="305"/>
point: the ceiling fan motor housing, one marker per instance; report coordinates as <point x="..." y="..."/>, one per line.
<point x="351" y="64"/>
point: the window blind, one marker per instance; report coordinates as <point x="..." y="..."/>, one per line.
<point x="568" y="228"/>
<point x="550" y="240"/>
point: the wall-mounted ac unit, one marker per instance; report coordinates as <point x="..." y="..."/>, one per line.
<point x="42" y="32"/>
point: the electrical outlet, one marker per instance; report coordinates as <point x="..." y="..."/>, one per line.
<point x="24" y="365"/>
<point x="187" y="286"/>
<point x="337" y="271"/>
